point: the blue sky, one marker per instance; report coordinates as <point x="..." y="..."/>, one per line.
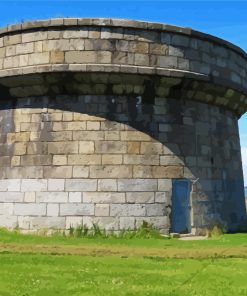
<point x="225" y="19"/>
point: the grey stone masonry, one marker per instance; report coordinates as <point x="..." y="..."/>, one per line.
<point x="98" y="117"/>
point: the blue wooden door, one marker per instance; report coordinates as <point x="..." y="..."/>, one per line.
<point x="181" y="206"/>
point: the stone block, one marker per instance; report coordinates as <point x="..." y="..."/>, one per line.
<point x="151" y="148"/>
<point x="167" y="62"/>
<point x="137" y="185"/>
<point x="47" y="222"/>
<point x="56" y="184"/>
<point x="33" y="36"/>
<point x="36" y="148"/>
<point x="141" y="59"/>
<point x="112" y="159"/>
<point x="10" y="50"/>
<point x="78" y="159"/>
<point x="56" y="45"/>
<point x="57" y="57"/>
<point x="140" y="197"/>
<point x="138" y="47"/>
<point x="12" y="39"/>
<point x="76" y="209"/>
<point x="80" y="172"/>
<point x="33" y="185"/>
<point x="83" y="57"/>
<point x="155" y="210"/>
<point x="93" y="125"/>
<point x="29" y="126"/>
<point x="39" y="58"/>
<point x="38" y="46"/>
<point x="127" y="223"/>
<point x="142" y="171"/>
<point x="167" y="172"/>
<point x="16" y="161"/>
<point x="134" y="147"/>
<point x="24" y="172"/>
<point x="141" y="159"/>
<point x="102" y="210"/>
<point x="29" y="196"/>
<point x="75" y="197"/>
<point x="107" y="185"/>
<point x="10" y="185"/>
<point x="134" y="136"/>
<point x="158" y="49"/>
<point x="24" y="48"/>
<point x="163" y="197"/>
<point x="5" y="161"/>
<point x="110" y="171"/>
<point x="75" y="125"/>
<point x="20" y="148"/>
<point x="81" y="185"/>
<point x="32" y="160"/>
<point x="103" y="197"/>
<point x="11" y="62"/>
<point x="18" y="137"/>
<point x="86" y="147"/>
<point x="63" y="147"/>
<point x="128" y="210"/>
<point x="165" y="185"/>
<point x="52" y="197"/>
<point x="110" y="147"/>
<point x="29" y="209"/>
<point x="59" y="160"/>
<point x="53" y="210"/>
<point x="112" y="135"/>
<point x="171" y="160"/>
<point x="8" y="221"/>
<point x="6" y="209"/>
<point x="75" y="33"/>
<point x="88" y="135"/>
<point x="58" y="172"/>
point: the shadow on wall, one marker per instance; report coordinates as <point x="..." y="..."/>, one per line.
<point x="198" y="141"/>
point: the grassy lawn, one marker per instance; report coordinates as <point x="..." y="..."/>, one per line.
<point x="35" y="265"/>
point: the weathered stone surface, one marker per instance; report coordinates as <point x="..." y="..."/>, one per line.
<point x="75" y="197"/>
<point x="76" y="209"/>
<point x="102" y="210"/>
<point x="137" y="185"/>
<point x="52" y="197"/>
<point x="104" y="117"/>
<point x="127" y="210"/>
<point x="103" y="197"/>
<point x="80" y="185"/>
<point x="33" y="185"/>
<point x="140" y="197"/>
<point x="29" y="209"/>
<point x="110" y="171"/>
<point x="107" y="185"/>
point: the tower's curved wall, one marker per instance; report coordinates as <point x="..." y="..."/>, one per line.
<point x="99" y="116"/>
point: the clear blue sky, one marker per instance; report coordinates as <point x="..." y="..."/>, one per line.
<point x="225" y="19"/>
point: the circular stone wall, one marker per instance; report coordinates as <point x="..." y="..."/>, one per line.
<point x="118" y="122"/>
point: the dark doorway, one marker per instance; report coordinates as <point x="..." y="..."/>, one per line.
<point x="181" y="206"/>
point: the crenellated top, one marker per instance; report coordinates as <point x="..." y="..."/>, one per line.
<point x="128" y="47"/>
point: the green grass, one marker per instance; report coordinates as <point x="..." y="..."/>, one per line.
<point x="32" y="265"/>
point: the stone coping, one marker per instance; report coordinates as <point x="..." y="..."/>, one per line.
<point x="122" y="23"/>
<point x="121" y="69"/>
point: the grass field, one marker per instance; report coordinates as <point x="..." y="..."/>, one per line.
<point x="32" y="265"/>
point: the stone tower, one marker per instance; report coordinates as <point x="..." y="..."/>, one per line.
<point x="117" y="122"/>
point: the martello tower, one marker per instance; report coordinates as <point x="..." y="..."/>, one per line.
<point x="114" y="122"/>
